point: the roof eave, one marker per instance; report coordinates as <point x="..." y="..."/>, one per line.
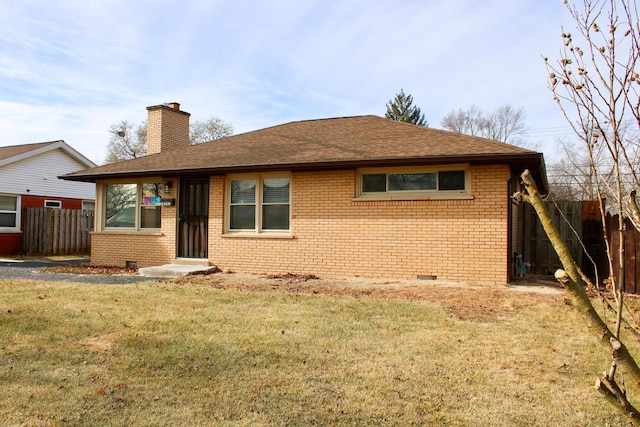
<point x="533" y="161"/>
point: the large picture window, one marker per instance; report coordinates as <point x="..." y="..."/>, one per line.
<point x="9" y="212"/>
<point x="133" y="205"/>
<point x="411" y="182"/>
<point x="259" y="203"/>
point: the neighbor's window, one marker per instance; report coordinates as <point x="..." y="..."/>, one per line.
<point x="9" y="212"/>
<point x="259" y="203"/>
<point x="412" y="181"/>
<point x="88" y="205"/>
<point x="56" y="204"/>
<point x="133" y="205"/>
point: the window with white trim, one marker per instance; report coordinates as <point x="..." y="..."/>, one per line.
<point x="9" y="213"/>
<point x="88" y="205"/>
<point x="132" y="205"/>
<point x="56" y="204"/>
<point x="258" y="203"/>
<point x="409" y="182"/>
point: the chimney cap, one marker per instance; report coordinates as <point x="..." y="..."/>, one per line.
<point x="171" y="106"/>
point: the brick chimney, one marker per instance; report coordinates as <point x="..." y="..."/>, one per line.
<point x="167" y="128"/>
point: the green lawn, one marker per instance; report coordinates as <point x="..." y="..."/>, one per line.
<point x="154" y="354"/>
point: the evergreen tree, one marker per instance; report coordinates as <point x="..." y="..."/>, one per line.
<point x="401" y="108"/>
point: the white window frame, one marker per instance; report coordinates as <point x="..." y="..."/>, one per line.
<point x="18" y="211"/>
<point x="93" y="202"/>
<point x="257" y="231"/>
<point x="101" y="203"/>
<point x="57" y="203"/>
<point x="434" y="194"/>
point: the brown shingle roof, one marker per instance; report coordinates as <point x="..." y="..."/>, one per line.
<point x="16" y="150"/>
<point x="317" y="144"/>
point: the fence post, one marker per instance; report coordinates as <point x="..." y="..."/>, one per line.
<point x="49" y="222"/>
<point x="27" y="230"/>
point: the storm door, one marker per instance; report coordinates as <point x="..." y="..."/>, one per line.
<point x="193" y="214"/>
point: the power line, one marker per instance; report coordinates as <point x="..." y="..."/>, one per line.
<point x="555" y="129"/>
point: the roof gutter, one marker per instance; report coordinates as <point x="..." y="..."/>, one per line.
<point x="517" y="162"/>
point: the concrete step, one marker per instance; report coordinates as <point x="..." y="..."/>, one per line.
<point x="173" y="270"/>
<point x="191" y="261"/>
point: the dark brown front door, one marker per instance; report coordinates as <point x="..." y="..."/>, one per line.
<point x="193" y="214"/>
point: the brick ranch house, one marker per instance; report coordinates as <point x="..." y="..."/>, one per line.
<point x="363" y="196"/>
<point x="29" y="179"/>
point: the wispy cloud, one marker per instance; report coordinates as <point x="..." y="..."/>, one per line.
<point x="70" y="69"/>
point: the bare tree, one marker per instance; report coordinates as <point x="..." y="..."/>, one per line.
<point x="576" y="282"/>
<point x="504" y="124"/>
<point x="595" y="84"/>
<point x="596" y="87"/>
<point x="571" y="178"/>
<point x="127" y="141"/>
<point x="209" y="130"/>
<point x="469" y="122"/>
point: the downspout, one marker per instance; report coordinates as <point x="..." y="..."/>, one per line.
<point x="509" y="229"/>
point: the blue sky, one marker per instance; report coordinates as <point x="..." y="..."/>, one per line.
<point x="70" y="69"/>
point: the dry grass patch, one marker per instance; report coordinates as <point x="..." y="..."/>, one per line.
<point x="245" y="350"/>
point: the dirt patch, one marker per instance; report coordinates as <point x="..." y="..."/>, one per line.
<point x="466" y="302"/>
<point x="463" y="301"/>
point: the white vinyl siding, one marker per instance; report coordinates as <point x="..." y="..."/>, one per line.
<point x="38" y="176"/>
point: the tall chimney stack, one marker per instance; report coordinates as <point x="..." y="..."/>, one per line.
<point x="167" y="128"/>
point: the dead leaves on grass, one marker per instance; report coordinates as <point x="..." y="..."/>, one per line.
<point x="205" y="272"/>
<point x="90" y="269"/>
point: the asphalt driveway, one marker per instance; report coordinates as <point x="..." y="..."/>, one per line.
<point x="30" y="270"/>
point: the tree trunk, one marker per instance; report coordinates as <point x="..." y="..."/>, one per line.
<point x="575" y="285"/>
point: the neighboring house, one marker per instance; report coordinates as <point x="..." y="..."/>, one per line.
<point x="29" y="178"/>
<point x="353" y="196"/>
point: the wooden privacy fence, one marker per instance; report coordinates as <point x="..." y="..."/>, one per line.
<point x="585" y="219"/>
<point x="49" y="231"/>
<point x="575" y="221"/>
<point x="536" y="248"/>
<point x="631" y="252"/>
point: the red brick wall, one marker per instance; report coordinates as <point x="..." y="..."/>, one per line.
<point x="29" y="201"/>
<point x="10" y="243"/>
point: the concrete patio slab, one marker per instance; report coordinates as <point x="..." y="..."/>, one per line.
<point x="173" y="270"/>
